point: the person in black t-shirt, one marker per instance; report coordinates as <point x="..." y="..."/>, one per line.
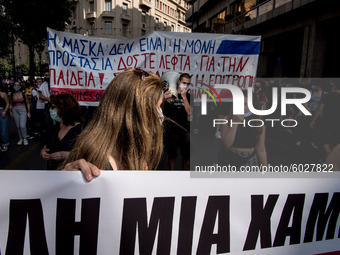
<point x="66" y="112"/>
<point x="330" y="123"/>
<point x="177" y="128"/>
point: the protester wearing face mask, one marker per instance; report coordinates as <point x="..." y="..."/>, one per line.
<point x="243" y="145"/>
<point x="20" y="111"/>
<point x="66" y="113"/>
<point x="177" y="128"/>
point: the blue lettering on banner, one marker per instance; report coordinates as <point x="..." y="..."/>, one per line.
<point x="152" y="44"/>
<point x="82" y="43"/>
<point x="239" y="47"/>
<point x="53" y="39"/>
<point x="86" y="47"/>
<point x="197" y="47"/>
<point x="64" y="58"/>
<point x="118" y="50"/>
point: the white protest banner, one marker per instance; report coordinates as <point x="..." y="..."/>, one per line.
<point x="140" y="212"/>
<point x="84" y="66"/>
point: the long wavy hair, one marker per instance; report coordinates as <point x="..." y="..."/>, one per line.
<point x="126" y="125"/>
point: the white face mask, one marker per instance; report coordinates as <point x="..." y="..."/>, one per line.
<point x="160" y="115"/>
<point x="182" y="86"/>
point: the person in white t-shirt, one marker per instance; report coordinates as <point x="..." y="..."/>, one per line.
<point x="44" y="94"/>
<point x="44" y="89"/>
<point x="40" y="108"/>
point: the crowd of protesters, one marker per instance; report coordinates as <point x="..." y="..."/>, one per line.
<point x="38" y="115"/>
<point x="24" y="101"/>
<point x="318" y="131"/>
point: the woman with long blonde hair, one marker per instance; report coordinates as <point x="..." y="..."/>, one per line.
<point x="126" y="132"/>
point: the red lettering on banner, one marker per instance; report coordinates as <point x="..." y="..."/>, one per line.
<point x="61" y="77"/>
<point x="136" y="59"/>
<point x="101" y="77"/>
<point x="187" y="64"/>
<point x="91" y="79"/>
<point x="73" y="81"/>
<point x="164" y="62"/>
<point x="80" y="78"/>
<point x="121" y="62"/>
<point x="240" y="67"/>
<point x="152" y="61"/>
<point x="212" y="64"/>
<point x="202" y="60"/>
<point x="82" y="95"/>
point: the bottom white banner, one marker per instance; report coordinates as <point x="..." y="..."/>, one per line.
<point x="137" y="212"/>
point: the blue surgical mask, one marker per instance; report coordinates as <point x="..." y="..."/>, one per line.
<point x="54" y="115"/>
<point x="16" y="87"/>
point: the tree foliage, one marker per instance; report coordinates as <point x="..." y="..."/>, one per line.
<point x="32" y="17"/>
<point x="5" y="31"/>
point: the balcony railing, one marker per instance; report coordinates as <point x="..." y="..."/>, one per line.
<point x="108" y="14"/>
<point x="91" y="15"/>
<point x="145" y="3"/>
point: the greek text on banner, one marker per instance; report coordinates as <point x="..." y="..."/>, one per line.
<point x="79" y="62"/>
<point x="136" y="212"/>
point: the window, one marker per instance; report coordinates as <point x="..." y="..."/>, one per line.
<point x="157" y="4"/>
<point x="91" y="6"/>
<point x="178" y="28"/>
<point x="92" y="28"/>
<point x="124" y="29"/>
<point x="74" y="13"/>
<point x="242" y="6"/>
<point x="143" y="32"/>
<point x="108" y="27"/>
<point x="218" y="20"/>
<point x="125" y="8"/>
<point x="157" y="21"/>
<point x="172" y="28"/>
<point x="108" y="6"/>
<point x="144" y="16"/>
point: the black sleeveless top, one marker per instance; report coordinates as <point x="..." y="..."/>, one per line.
<point x="245" y="136"/>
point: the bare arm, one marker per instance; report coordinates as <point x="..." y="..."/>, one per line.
<point x="260" y="147"/>
<point x="229" y="132"/>
<point x="5" y="97"/>
<point x="42" y="97"/>
<point x="28" y="107"/>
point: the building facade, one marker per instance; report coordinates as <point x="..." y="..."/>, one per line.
<point x="124" y="19"/>
<point x="118" y="19"/>
<point x="298" y="36"/>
